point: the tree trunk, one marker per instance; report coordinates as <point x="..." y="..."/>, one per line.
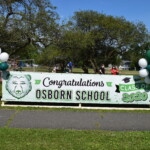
<point x="85" y="69"/>
<point x="94" y="65"/>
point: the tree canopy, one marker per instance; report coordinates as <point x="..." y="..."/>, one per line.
<point x="30" y="27"/>
<point x="97" y="38"/>
<point x="25" y="24"/>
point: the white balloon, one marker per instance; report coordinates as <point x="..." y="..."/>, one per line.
<point x="147" y="80"/>
<point x="143" y="73"/>
<point x="4" y="57"/>
<point x="143" y="63"/>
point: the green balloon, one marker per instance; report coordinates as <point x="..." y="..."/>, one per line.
<point x="148" y="68"/>
<point x="3" y="66"/>
<point x="148" y="56"/>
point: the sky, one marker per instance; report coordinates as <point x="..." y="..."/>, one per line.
<point x="133" y="10"/>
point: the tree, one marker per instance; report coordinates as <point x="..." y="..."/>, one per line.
<point x="48" y="54"/>
<point x="25" y="24"/>
<point x="74" y="45"/>
<point x="94" y="36"/>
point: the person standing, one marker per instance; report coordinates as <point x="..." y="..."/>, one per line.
<point x="102" y="69"/>
<point x="70" y="66"/>
<point x="114" y="71"/>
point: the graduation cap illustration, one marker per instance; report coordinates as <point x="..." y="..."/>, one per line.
<point x="126" y="80"/>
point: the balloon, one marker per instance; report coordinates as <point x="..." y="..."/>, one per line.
<point x="3" y="66"/>
<point x="143" y="63"/>
<point x="4" y="57"/>
<point x="148" y="68"/>
<point x="143" y="73"/>
<point x="148" y="56"/>
<point x="147" y="80"/>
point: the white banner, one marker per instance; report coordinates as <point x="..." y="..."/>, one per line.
<point x="75" y="88"/>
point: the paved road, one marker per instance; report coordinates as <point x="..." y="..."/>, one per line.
<point x="115" y="121"/>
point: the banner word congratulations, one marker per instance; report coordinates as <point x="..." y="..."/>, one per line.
<point x="75" y="88"/>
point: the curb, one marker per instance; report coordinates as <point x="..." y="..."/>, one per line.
<point x="95" y="108"/>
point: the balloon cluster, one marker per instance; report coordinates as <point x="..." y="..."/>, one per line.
<point x="144" y="63"/>
<point x="3" y="61"/>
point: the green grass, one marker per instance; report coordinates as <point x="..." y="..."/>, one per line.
<point x="44" y="139"/>
<point x="19" y="108"/>
<point x="79" y="70"/>
<point x="121" y="72"/>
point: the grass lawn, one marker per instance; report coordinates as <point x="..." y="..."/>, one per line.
<point x="79" y="70"/>
<point x="44" y="139"/>
<point x="121" y="72"/>
<point x="19" y="108"/>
